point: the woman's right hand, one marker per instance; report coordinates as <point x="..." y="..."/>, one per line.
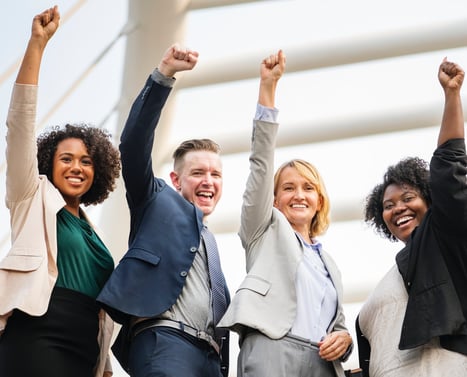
<point x="45" y="24"/>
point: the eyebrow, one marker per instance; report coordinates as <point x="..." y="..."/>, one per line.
<point x="405" y="192"/>
<point x="60" y="154"/>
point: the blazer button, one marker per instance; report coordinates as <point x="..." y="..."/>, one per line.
<point x="183" y="273"/>
<point x="193" y="249"/>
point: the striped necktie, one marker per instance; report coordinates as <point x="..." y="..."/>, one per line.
<point x="219" y="304"/>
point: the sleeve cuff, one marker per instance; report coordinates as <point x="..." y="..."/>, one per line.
<point x="266" y="113"/>
<point x="163" y="80"/>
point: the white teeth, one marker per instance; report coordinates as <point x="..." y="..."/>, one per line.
<point x="403" y="219"/>
<point x="77" y="180"/>
<point x="298" y="206"/>
<point x="206" y="194"/>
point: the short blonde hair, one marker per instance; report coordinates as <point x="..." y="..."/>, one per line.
<point x="321" y="220"/>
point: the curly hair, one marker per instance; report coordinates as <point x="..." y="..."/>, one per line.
<point x="411" y="171"/>
<point x="321" y="220"/>
<point x="105" y="157"/>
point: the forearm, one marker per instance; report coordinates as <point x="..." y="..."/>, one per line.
<point x="30" y="66"/>
<point x="267" y="93"/>
<point x="452" y="124"/>
<point x="137" y="139"/>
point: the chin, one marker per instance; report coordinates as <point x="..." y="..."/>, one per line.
<point x="207" y="212"/>
<point x="205" y="209"/>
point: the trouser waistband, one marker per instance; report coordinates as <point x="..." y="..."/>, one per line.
<point x="288" y="336"/>
<point x="153" y="322"/>
<point x="301" y="340"/>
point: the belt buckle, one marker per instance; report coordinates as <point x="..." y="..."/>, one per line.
<point x="200" y="334"/>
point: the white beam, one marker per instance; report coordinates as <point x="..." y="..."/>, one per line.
<point x="337" y="128"/>
<point x="203" y="4"/>
<point x="419" y="39"/>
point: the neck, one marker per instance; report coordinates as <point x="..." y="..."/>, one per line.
<point x="73" y="210"/>
<point x="305" y="234"/>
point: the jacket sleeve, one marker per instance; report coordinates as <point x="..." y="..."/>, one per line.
<point x="136" y="142"/>
<point x="258" y="196"/>
<point x="22" y="174"/>
<point x="448" y="169"/>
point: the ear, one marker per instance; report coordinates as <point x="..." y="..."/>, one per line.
<point x="175" y="180"/>
<point x="320" y="203"/>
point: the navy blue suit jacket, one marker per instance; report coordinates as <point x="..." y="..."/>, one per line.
<point x="165" y="230"/>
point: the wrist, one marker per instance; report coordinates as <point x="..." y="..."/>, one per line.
<point x="165" y="70"/>
<point x="349" y="349"/>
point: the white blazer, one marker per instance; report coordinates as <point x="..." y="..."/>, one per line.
<point x="29" y="271"/>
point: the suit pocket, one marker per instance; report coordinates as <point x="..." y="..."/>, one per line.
<point x="143" y="255"/>
<point x="255" y="284"/>
<point x="21" y="260"/>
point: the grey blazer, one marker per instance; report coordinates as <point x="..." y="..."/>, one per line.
<point x="266" y="299"/>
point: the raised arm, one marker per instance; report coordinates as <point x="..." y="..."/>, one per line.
<point x="451" y="77"/>
<point x="44" y="26"/>
<point x="21" y="152"/>
<point x="137" y="139"/>
<point x="258" y="196"/>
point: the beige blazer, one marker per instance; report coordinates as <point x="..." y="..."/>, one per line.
<point x="266" y="299"/>
<point x="29" y="271"/>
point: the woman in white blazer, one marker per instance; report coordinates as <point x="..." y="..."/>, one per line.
<point x="50" y="323"/>
<point x="288" y="310"/>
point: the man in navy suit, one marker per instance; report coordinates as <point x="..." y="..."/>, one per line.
<point x="161" y="291"/>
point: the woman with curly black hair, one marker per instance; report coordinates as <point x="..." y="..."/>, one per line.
<point x="415" y="321"/>
<point x="105" y="157"/>
<point x="50" y="322"/>
<point x="410" y="172"/>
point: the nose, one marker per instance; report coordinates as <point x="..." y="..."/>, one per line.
<point x="399" y="206"/>
<point x="76" y="165"/>
<point x="299" y="193"/>
<point x="207" y="179"/>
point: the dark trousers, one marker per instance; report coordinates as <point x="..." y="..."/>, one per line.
<point x="167" y="352"/>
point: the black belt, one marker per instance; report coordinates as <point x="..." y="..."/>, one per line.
<point x="151" y="323"/>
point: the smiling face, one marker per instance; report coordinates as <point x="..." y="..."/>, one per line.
<point x="199" y="179"/>
<point x="73" y="171"/>
<point x="403" y="210"/>
<point x="297" y="198"/>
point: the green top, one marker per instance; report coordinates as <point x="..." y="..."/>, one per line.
<point x="84" y="263"/>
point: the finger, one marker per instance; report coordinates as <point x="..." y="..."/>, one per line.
<point x="333" y="346"/>
<point x="450" y="69"/>
<point x="55" y="14"/>
<point x="281" y="57"/>
<point x="191" y="58"/>
<point x="271" y="61"/>
<point x="180" y="54"/>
